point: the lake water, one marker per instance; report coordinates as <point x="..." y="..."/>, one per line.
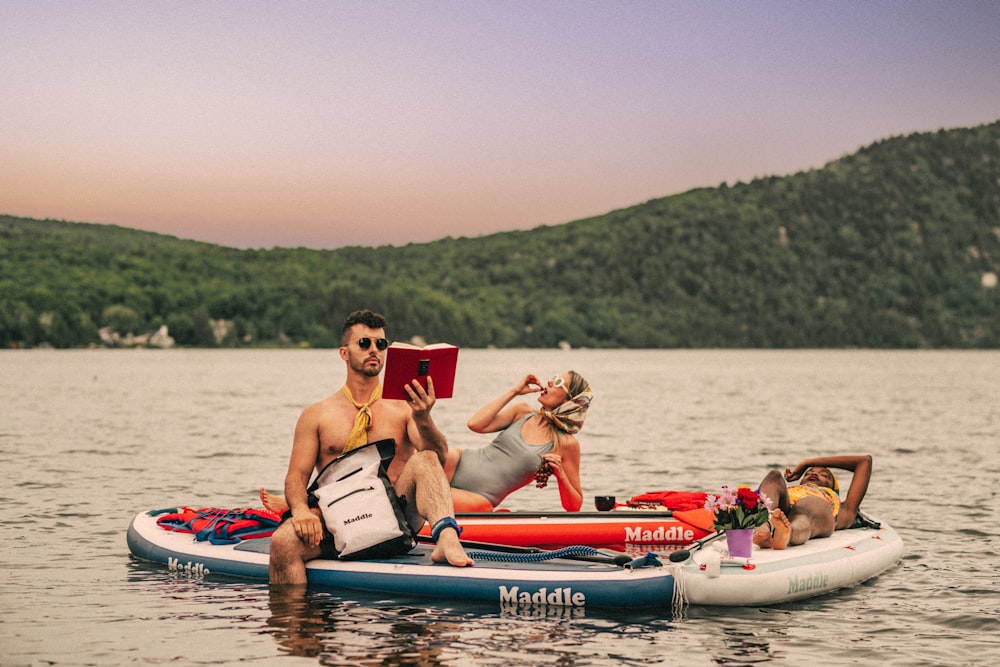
<point x="89" y="438"/>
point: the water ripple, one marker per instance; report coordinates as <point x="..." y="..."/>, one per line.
<point x="92" y="457"/>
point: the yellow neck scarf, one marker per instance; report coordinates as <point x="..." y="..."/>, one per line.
<point x="363" y="422"/>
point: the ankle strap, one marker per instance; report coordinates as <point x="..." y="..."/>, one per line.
<point x="441" y="524"/>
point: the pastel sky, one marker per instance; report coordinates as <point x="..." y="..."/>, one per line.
<point x="356" y="122"/>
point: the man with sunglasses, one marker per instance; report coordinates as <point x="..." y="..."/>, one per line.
<point x="353" y="416"/>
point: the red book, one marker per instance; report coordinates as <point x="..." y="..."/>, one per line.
<point x="405" y="362"/>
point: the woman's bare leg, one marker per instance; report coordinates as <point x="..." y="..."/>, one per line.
<point x="467" y="501"/>
<point x="810" y="517"/>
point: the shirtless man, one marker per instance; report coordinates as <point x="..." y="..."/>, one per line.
<point x="322" y="433"/>
<point x="812" y="508"/>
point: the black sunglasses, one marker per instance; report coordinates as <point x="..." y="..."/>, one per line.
<point x="380" y="343"/>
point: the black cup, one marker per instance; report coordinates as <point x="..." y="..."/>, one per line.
<point x="604" y="503"/>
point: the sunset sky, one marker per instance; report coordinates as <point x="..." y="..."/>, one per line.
<point x="324" y="124"/>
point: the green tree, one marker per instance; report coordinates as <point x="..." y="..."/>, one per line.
<point x="122" y="319"/>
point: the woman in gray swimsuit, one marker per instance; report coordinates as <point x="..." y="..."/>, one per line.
<point x="531" y="444"/>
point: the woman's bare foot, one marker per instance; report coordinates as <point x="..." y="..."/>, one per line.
<point x="449" y="550"/>
<point x="775" y="533"/>
<point x="762" y="535"/>
<point x="273" y="502"/>
<point x="782" y="530"/>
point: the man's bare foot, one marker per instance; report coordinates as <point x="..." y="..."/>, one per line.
<point x="782" y="529"/>
<point x="449" y="550"/>
<point x="273" y="502"/>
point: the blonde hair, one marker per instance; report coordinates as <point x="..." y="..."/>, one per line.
<point x="576" y="386"/>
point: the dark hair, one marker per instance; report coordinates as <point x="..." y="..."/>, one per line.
<point x="366" y="317"/>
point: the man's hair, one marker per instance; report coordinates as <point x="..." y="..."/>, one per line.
<point x="365" y="317"/>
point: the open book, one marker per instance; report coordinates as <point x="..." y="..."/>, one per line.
<point x="405" y="362"/>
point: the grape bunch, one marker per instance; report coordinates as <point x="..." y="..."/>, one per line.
<point x="542" y="475"/>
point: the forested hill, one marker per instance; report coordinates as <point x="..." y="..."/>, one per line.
<point x="896" y="246"/>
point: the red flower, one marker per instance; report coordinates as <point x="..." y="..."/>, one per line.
<point x="748" y="498"/>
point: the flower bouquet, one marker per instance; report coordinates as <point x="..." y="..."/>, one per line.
<point x="738" y="513"/>
<point x="739" y="508"/>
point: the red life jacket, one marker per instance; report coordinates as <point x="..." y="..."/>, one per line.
<point x="220" y="526"/>
<point x="672" y="500"/>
